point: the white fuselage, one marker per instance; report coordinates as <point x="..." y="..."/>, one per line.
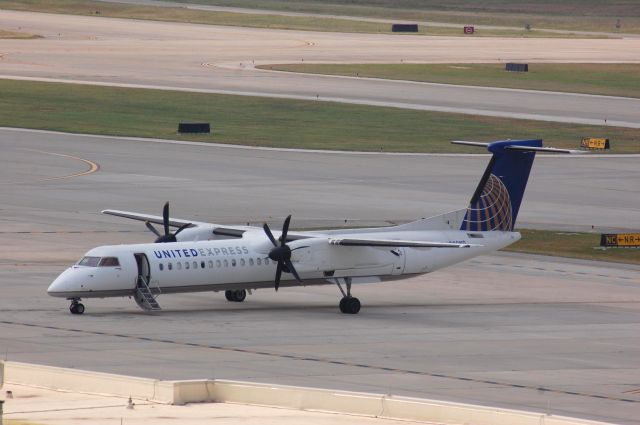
<point x="242" y="263"/>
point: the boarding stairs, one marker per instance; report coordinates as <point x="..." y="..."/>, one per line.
<point x="144" y="297"/>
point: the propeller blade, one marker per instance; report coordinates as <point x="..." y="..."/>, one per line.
<point x="285" y="230"/>
<point x="269" y="234"/>
<point x="292" y="270"/>
<point x="278" y="274"/>
<point x="165" y="218"/>
<point x="153" y="229"/>
<point x="184" y="226"/>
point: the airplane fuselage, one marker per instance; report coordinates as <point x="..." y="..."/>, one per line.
<point x="243" y="263"/>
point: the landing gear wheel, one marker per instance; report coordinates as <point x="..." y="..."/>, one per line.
<point x="76" y="308"/>
<point x="236" y="296"/>
<point x="349" y="305"/>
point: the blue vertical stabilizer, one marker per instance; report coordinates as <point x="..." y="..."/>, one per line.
<point x="496" y="201"/>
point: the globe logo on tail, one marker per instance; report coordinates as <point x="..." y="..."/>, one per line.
<point x="492" y="211"/>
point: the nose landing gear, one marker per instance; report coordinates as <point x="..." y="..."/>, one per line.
<point x="76" y="307"/>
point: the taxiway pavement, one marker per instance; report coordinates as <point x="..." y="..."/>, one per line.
<point x="221" y="59"/>
<point x="523" y="332"/>
<point x="235" y="185"/>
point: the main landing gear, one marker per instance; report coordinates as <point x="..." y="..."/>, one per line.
<point x="236" y="296"/>
<point x="76" y="307"/>
<point x="348" y="304"/>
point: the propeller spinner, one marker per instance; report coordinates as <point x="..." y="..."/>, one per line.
<point x="168" y="236"/>
<point x="282" y="252"/>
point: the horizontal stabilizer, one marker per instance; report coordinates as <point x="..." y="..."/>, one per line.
<point x="520" y="148"/>
<point x="395" y="243"/>
<point x="542" y="149"/>
<point x="464" y="142"/>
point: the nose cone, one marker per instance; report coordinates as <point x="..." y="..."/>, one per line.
<point x="62" y="285"/>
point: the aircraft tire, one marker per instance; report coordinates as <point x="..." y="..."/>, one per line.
<point x="240" y="295"/>
<point x="350" y="305"/>
<point x="76" y="308"/>
<point x="342" y="303"/>
<point x="236" y="296"/>
<point x="228" y="295"/>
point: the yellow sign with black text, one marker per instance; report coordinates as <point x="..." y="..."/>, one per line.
<point x="594" y="143"/>
<point x="629" y="240"/>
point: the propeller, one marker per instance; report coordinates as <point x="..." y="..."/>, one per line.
<point x="168" y="236"/>
<point x="282" y="253"/>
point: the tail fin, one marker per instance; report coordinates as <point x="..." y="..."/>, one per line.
<point x="496" y="201"/>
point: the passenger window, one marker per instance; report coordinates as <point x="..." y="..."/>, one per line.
<point x="242" y="262"/>
<point x="226" y="263"/>
<point x="179" y="264"/>
<point x="170" y="266"/>
<point x="210" y="264"/>
<point x="161" y="266"/>
<point x="233" y="262"/>
<point x="218" y="263"/>
<point x="259" y="261"/>
<point x="186" y="265"/>
<point x="89" y="261"/>
<point x="251" y="261"/>
<point x="195" y="265"/>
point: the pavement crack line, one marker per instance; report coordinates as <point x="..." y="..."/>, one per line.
<point x="326" y="361"/>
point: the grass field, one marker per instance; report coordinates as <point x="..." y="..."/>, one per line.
<point x="177" y="14"/>
<point x="572" y="245"/>
<point x="17" y="35"/>
<point x="273" y="122"/>
<point x="605" y="79"/>
<point x="576" y="15"/>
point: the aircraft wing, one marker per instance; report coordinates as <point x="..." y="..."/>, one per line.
<point x="238" y="231"/>
<point x="395" y="243"/>
<point x="155" y="219"/>
<point x="222" y="230"/>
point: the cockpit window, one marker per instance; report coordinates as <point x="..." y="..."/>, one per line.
<point x="89" y="261"/>
<point x="109" y="262"/>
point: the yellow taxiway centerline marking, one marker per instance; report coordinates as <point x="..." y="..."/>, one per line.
<point x="93" y="167"/>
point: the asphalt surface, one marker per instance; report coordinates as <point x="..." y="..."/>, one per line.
<point x="221" y="59"/>
<point x="516" y="331"/>
<point x="232" y="185"/>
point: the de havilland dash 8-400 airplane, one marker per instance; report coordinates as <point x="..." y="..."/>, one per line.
<point x="236" y="259"/>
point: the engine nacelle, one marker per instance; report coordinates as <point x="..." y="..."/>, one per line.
<point x="317" y="255"/>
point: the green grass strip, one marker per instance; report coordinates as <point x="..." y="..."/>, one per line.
<point x="273" y="122"/>
<point x="274" y="21"/>
<point x="582" y="15"/>
<point x="604" y="79"/>
<point x="573" y="245"/>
